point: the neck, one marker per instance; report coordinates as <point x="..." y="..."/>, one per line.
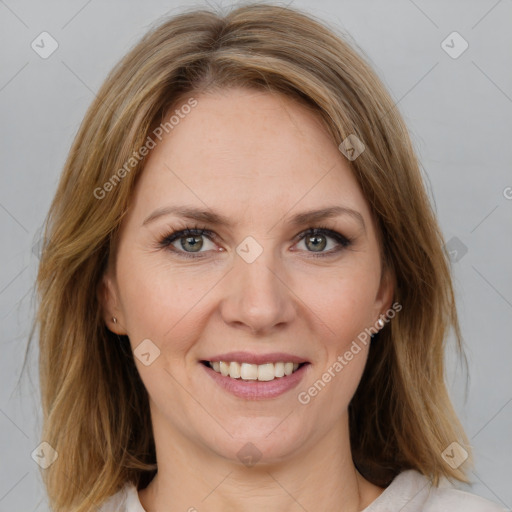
<point x="320" y="477"/>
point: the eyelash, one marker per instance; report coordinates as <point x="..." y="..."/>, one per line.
<point x="166" y="241"/>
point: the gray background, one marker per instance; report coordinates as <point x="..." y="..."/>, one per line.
<point x="459" y="114"/>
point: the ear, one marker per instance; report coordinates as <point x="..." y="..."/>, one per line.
<point x="108" y="296"/>
<point x="385" y="294"/>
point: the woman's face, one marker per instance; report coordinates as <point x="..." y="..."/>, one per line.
<point x="256" y="287"/>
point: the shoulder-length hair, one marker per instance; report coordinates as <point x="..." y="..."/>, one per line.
<point x="95" y="407"/>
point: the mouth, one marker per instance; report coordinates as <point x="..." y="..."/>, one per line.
<point x="253" y="376"/>
<point x="247" y="372"/>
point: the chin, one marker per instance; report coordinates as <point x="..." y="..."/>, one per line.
<point x="257" y="440"/>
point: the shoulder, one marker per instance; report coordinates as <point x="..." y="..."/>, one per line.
<point x="456" y="500"/>
<point x="411" y="491"/>
<point x="125" y="500"/>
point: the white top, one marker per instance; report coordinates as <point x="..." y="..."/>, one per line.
<point x="410" y="491"/>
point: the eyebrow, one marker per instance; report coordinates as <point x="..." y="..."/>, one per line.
<point x="217" y="219"/>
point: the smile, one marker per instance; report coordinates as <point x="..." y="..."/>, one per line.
<point x="252" y="376"/>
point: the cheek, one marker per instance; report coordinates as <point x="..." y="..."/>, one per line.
<point x="162" y="301"/>
<point x="342" y="308"/>
<point x="343" y="302"/>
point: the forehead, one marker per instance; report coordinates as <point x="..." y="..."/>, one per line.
<point x="248" y="151"/>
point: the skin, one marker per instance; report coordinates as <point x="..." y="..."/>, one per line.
<point x="259" y="159"/>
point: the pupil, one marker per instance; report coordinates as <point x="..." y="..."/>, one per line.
<point x="317" y="246"/>
<point x="195" y="243"/>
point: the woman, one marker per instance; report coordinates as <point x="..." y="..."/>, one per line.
<point x="244" y="292"/>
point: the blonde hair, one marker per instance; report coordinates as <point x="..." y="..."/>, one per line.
<point x="95" y="407"/>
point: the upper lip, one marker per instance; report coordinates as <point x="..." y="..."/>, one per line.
<point x="248" y="357"/>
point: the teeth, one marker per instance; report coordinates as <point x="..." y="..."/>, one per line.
<point x="234" y="370"/>
<point x="279" y="369"/>
<point x="266" y="372"/>
<point x="247" y="371"/>
<point x="224" y="369"/>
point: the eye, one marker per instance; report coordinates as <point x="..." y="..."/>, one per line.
<point x="316" y="240"/>
<point x="189" y="242"/>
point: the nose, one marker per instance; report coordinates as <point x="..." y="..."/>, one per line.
<point x="257" y="295"/>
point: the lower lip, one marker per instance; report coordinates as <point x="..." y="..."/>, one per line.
<point x="255" y="389"/>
